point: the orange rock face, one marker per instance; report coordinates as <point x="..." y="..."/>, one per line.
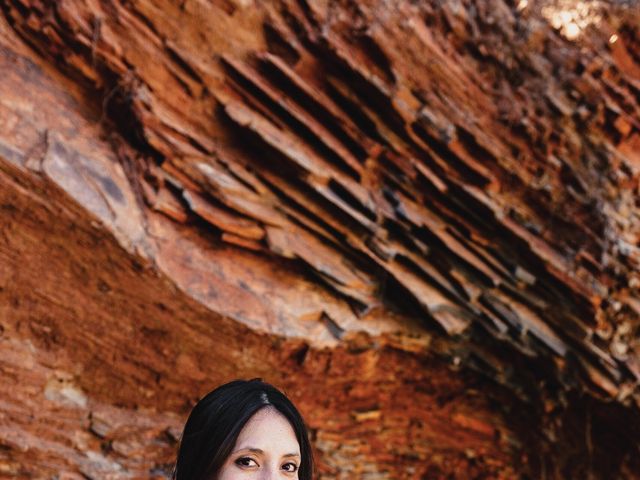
<point x="418" y="218"/>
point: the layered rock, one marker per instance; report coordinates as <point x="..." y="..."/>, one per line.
<point x="418" y="218"/>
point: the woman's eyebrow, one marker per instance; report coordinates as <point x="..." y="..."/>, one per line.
<point x="259" y="451"/>
<point x="249" y="449"/>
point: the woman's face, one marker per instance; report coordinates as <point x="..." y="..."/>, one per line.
<point x="266" y="448"/>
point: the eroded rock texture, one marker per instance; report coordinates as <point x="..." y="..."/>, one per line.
<point x="420" y="219"/>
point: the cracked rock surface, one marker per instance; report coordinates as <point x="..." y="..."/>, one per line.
<point x="420" y="219"/>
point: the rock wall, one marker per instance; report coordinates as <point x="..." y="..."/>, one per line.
<point x="418" y="218"/>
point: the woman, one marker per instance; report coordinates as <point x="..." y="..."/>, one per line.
<point x="244" y="430"/>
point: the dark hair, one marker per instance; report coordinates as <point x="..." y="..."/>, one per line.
<point x="215" y="422"/>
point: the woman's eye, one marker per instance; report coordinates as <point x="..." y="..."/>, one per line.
<point x="290" y="467"/>
<point x="246" y="462"/>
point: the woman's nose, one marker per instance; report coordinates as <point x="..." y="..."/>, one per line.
<point x="268" y="474"/>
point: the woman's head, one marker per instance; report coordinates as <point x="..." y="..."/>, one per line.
<point x="242" y="430"/>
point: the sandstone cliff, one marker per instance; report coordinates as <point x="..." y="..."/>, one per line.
<point x="420" y="219"/>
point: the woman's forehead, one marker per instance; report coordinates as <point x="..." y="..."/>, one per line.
<point x="268" y="430"/>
